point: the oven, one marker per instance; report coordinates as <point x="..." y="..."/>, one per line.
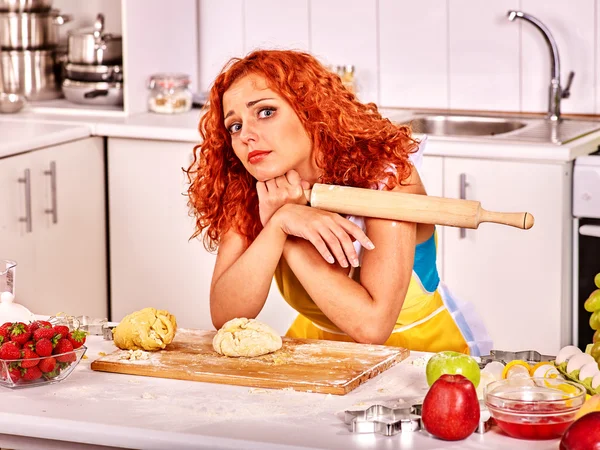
<point x="586" y="242"/>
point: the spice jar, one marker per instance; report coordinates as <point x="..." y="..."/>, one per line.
<point x="169" y="93"/>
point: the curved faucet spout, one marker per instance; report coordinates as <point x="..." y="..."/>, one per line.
<point x="556" y="91"/>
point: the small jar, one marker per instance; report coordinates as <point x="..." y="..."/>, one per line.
<point x="169" y="93"/>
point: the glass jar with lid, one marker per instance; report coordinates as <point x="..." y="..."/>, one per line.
<point x="169" y="93"/>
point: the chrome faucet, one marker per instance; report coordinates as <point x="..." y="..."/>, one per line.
<point x="557" y="93"/>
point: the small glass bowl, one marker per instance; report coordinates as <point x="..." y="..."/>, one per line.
<point x="65" y="363"/>
<point x="534" y="408"/>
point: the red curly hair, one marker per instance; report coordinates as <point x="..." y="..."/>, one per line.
<point x="354" y="144"/>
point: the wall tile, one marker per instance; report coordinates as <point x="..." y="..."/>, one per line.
<point x="221" y="36"/>
<point x="413" y="53"/>
<point x="345" y="32"/>
<point x="572" y="25"/>
<point x="281" y="24"/>
<point x="483" y="55"/>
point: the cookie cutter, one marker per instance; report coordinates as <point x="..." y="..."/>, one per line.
<point x="531" y="356"/>
<point x="383" y="420"/>
<point x="107" y="330"/>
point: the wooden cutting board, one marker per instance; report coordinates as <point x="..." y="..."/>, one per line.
<point x="327" y="367"/>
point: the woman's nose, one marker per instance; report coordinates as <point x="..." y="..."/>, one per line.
<point x="248" y="132"/>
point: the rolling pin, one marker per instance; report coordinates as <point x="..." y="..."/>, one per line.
<point x="410" y="207"/>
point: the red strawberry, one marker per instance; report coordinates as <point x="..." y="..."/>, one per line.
<point x="33" y="373"/>
<point x="47" y="364"/>
<point x="52" y="374"/>
<point x="19" y="332"/>
<point x="43" y="347"/>
<point x="77" y="338"/>
<point x="4" y="328"/>
<point x="30" y="358"/>
<point x="30" y="345"/>
<point x="10" y="350"/>
<point x="42" y="333"/>
<point x="15" y="374"/>
<point x="64" y="346"/>
<point x="63" y="330"/>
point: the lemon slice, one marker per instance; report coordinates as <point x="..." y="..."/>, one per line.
<point x="516" y="368"/>
<point x="545" y="369"/>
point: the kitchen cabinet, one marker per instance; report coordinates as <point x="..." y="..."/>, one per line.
<point x="153" y="261"/>
<point x="53" y="225"/>
<point x="519" y="281"/>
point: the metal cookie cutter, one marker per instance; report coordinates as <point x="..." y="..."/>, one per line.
<point x="383" y="420"/>
<point x="531" y="356"/>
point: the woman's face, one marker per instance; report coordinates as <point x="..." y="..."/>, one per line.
<point x="266" y="134"/>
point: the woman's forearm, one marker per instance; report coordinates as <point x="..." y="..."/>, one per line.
<point x="344" y="301"/>
<point x="242" y="289"/>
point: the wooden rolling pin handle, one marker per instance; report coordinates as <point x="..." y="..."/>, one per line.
<point x="523" y="221"/>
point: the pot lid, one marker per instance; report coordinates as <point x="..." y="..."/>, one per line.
<point x="97" y="30"/>
<point x="13" y="312"/>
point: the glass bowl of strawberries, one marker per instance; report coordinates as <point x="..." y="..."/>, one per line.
<point x="38" y="353"/>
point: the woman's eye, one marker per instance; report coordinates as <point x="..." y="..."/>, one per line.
<point x="234" y="128"/>
<point x="266" y="112"/>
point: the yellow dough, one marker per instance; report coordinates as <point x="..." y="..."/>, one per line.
<point x="246" y="337"/>
<point x="147" y="329"/>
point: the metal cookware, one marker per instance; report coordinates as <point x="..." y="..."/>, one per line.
<point x="11" y="103"/>
<point x="25" y="5"/>
<point x="93" y="46"/>
<point x="93" y="93"/>
<point x="31" y="30"/>
<point x="90" y="72"/>
<point x="32" y="73"/>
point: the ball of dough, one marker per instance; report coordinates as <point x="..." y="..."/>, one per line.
<point x="147" y="329"/>
<point x="246" y="337"/>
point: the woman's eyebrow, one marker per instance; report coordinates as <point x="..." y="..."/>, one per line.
<point x="249" y="104"/>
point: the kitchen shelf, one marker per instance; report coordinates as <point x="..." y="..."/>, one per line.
<point x="64" y="107"/>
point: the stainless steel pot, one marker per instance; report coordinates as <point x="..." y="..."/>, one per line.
<point x="93" y="46"/>
<point x="25" y="5"/>
<point x="90" y="72"/>
<point x="32" y="73"/>
<point x="92" y="93"/>
<point x="30" y="31"/>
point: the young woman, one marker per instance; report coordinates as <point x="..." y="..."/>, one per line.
<point x="276" y="123"/>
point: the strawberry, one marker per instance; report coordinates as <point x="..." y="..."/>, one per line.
<point x="42" y="333"/>
<point x="4" y="328"/>
<point x="30" y="345"/>
<point x="19" y="332"/>
<point x="32" y="373"/>
<point x="47" y="364"/>
<point x="64" y="351"/>
<point x="10" y="350"/>
<point x="77" y="338"/>
<point x="39" y="324"/>
<point x="63" y="330"/>
<point x="43" y="347"/>
<point x="52" y="374"/>
<point x="15" y="374"/>
<point x="30" y="358"/>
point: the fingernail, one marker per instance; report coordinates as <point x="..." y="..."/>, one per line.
<point x="344" y="264"/>
<point x="370" y="245"/>
<point x="354" y="262"/>
<point x="330" y="259"/>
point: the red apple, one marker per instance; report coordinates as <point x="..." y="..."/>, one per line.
<point x="583" y="434"/>
<point x="451" y="408"/>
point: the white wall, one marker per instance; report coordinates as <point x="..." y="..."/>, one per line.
<point x="458" y="54"/>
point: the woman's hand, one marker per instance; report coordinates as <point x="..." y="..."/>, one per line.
<point x="274" y="193"/>
<point x="330" y="233"/>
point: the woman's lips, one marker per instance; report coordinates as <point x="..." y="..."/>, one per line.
<point x="257" y="156"/>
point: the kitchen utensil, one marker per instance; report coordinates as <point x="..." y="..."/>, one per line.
<point x="530" y="356"/>
<point x="31" y="73"/>
<point x="327" y="367"/>
<point x="25" y="5"/>
<point x="93" y="93"/>
<point x="30" y="30"/>
<point x="410" y="207"/>
<point x="534" y="408"/>
<point x="11" y="103"/>
<point x="93" y="46"/>
<point x="94" y="72"/>
<point x="383" y="420"/>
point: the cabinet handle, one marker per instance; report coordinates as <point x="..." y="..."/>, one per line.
<point x="52" y="173"/>
<point x="27" y="219"/>
<point x="463" y="196"/>
<point x="590" y="230"/>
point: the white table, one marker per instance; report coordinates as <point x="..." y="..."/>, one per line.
<point x="125" y="411"/>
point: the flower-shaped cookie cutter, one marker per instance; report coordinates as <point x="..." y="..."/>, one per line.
<point x="383" y="420"/>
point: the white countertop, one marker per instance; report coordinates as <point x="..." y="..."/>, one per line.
<point x="103" y="409"/>
<point x="184" y="128"/>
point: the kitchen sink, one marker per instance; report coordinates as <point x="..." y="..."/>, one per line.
<point x="444" y="125"/>
<point x="517" y="129"/>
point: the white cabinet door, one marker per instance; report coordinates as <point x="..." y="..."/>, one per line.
<point x="432" y="175"/>
<point x="61" y="267"/>
<point x="518" y="280"/>
<point x="16" y="236"/>
<point x="153" y="261"/>
<point x="70" y="233"/>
